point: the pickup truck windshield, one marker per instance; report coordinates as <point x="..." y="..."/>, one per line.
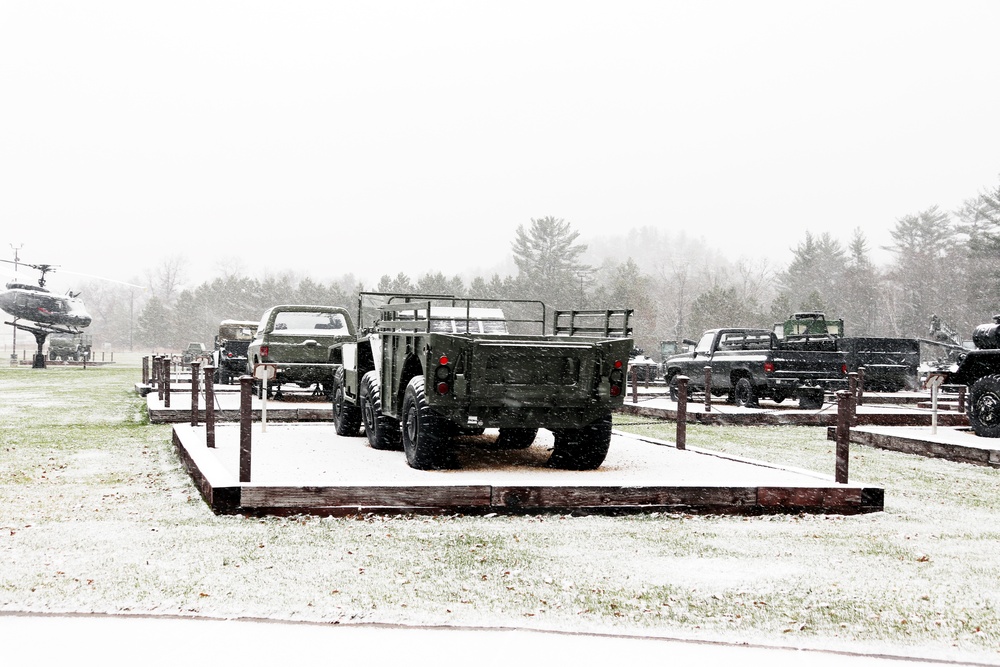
<point x="704" y="345"/>
<point x="307" y="323"/>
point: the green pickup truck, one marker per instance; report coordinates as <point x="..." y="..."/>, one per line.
<point x="432" y="367"/>
<point x="750" y="364"/>
<point x="297" y="339"/>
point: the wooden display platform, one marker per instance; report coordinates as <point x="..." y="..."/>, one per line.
<point x="873" y="412"/>
<point x="299" y="406"/>
<point x="307" y="468"/>
<point x="953" y="443"/>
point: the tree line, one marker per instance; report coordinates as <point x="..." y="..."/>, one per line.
<point x="943" y="264"/>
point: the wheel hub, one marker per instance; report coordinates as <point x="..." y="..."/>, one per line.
<point x="988" y="409"/>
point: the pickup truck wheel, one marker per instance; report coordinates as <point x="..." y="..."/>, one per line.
<point x="582" y="448"/>
<point x="346" y="417"/>
<point x="674" y="387"/>
<point x="426" y="437"/>
<point x="811" y="400"/>
<point x="382" y="432"/>
<point x="744" y="393"/>
<point x="516" y="438"/>
<point x="984" y="406"/>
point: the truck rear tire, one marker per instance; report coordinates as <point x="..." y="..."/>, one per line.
<point x="582" y="448"/>
<point x="984" y="406"/>
<point x="426" y="434"/>
<point x="516" y="438"/>
<point x="346" y="417"/>
<point x="673" y="387"/>
<point x="745" y="394"/>
<point x="382" y="432"/>
<point x="811" y="399"/>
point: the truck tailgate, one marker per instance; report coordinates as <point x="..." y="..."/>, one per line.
<point x="534" y="373"/>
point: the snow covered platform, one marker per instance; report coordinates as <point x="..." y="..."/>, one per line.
<point x="872" y="412"/>
<point x="953" y="443"/>
<point x="299" y="406"/>
<point x="307" y="468"/>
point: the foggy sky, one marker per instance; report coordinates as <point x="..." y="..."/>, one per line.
<point x="373" y="138"/>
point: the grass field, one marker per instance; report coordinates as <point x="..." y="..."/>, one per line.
<point x="97" y="515"/>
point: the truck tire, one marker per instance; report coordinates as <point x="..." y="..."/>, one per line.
<point x="426" y="435"/>
<point x="582" y="448"/>
<point x="984" y="406"/>
<point x="673" y="387"/>
<point x="382" y="431"/>
<point x="516" y="438"/>
<point x="745" y="394"/>
<point x="811" y="400"/>
<point x="346" y="417"/>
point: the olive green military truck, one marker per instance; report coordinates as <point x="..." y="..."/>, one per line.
<point x="428" y="368"/>
<point x="297" y="340"/>
<point x="70" y="347"/>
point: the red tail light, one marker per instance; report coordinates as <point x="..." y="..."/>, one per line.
<point x="768" y="366"/>
<point x="443" y="375"/>
<point x="264" y="350"/>
<point x="616" y="378"/>
<point x="843" y="369"/>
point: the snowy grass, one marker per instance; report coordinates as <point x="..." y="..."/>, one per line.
<point x="97" y="515"/>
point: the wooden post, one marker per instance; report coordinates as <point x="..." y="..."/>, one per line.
<point x="635" y="385"/>
<point x="209" y="407"/>
<point x="195" y="367"/>
<point x="861" y="385"/>
<point x="157" y="377"/>
<point x="844" y="410"/>
<point x="682" y="405"/>
<point x="166" y="386"/>
<point x="961" y="399"/>
<point x="246" y="412"/>
<point x="853" y="382"/>
<point x="145" y="370"/>
<point x="708" y="388"/>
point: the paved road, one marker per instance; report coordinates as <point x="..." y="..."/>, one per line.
<point x="42" y="640"/>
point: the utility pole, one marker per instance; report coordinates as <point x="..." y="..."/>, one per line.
<point x="13" y="345"/>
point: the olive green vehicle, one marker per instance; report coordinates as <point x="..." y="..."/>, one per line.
<point x="70" y="347"/>
<point x="432" y="367"/>
<point x="297" y="339"/>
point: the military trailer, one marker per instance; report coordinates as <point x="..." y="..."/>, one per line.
<point x="432" y="367"/>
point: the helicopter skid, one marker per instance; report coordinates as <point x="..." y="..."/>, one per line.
<point x="43" y="328"/>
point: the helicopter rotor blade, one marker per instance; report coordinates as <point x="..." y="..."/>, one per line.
<point x="89" y="275"/>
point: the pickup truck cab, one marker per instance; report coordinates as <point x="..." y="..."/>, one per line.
<point x="297" y="338"/>
<point x="750" y="364"/>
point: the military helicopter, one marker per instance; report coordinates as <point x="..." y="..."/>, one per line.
<point x="39" y="311"/>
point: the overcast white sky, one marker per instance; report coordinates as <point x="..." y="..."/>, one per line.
<point x="331" y="137"/>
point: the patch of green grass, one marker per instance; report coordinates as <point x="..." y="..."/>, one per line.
<point x="98" y="515"/>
